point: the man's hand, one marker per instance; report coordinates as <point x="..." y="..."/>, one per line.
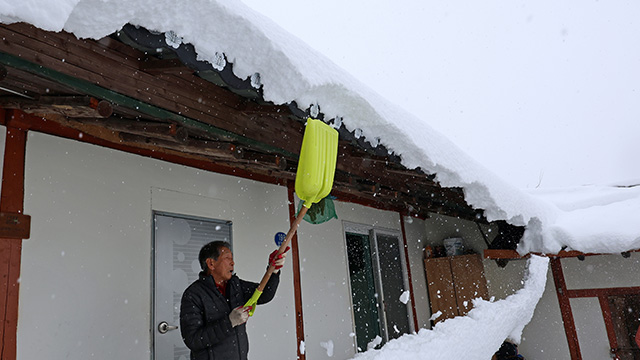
<point x="239" y="315"/>
<point x="278" y="261"/>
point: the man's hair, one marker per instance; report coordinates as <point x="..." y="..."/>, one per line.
<point x="508" y="350"/>
<point x="211" y="250"/>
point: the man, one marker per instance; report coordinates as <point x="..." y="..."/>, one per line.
<point x="212" y="312"/>
<point x="507" y="351"/>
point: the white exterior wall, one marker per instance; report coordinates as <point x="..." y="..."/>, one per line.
<point x="606" y="271"/>
<point x="85" y="289"/>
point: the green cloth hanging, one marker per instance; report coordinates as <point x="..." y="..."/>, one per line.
<point x="320" y="212"/>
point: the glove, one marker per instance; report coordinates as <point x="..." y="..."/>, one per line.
<point x="278" y="262"/>
<point x="239" y="315"/>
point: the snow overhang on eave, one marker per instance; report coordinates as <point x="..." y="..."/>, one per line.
<point x="363" y="157"/>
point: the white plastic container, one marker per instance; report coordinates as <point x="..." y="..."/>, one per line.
<point x="454" y="246"/>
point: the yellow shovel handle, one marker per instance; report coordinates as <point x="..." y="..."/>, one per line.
<point x="281" y="249"/>
<point x="253" y="302"/>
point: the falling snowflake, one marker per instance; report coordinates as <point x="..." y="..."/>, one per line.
<point x="375" y="342"/>
<point x="404" y="298"/>
<point x="328" y="345"/>
<point x="435" y="316"/>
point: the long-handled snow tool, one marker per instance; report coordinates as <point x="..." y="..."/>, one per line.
<point x="314" y="180"/>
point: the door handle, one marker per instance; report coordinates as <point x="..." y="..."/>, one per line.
<point x="164" y="327"/>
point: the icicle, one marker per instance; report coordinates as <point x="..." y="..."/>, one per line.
<point x="337" y="122"/>
<point x="255" y="80"/>
<point x="219" y="62"/>
<point x="314" y="110"/>
<point x="172" y="39"/>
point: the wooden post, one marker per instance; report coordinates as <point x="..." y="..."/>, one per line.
<point x="565" y="309"/>
<point x="11" y="201"/>
<point x="608" y="323"/>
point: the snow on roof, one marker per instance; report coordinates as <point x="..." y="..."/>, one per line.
<point x="595" y="219"/>
<point x="291" y="71"/>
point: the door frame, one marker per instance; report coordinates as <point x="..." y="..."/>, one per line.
<point x="154" y="213"/>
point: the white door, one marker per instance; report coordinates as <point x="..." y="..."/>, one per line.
<point x="177" y="241"/>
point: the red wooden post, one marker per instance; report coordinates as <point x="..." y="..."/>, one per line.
<point x="608" y="323"/>
<point x="565" y="309"/>
<point x="11" y="201"/>
<point x="295" y="263"/>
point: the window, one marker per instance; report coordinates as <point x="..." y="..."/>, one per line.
<point x="625" y="315"/>
<point x="379" y="285"/>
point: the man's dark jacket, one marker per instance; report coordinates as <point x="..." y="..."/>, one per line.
<point x="204" y="317"/>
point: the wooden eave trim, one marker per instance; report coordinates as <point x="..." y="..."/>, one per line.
<point x="39" y="124"/>
<point x="498" y="254"/>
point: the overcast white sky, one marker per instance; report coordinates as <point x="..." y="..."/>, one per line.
<point x="540" y="91"/>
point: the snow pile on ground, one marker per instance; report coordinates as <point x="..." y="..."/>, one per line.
<point x="477" y="335"/>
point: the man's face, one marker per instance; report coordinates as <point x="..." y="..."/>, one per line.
<point x="222" y="269"/>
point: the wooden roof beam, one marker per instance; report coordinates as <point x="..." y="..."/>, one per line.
<point x="69" y="106"/>
<point x="198" y="147"/>
<point x="165" y="131"/>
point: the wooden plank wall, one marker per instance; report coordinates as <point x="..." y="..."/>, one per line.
<point x="118" y="67"/>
